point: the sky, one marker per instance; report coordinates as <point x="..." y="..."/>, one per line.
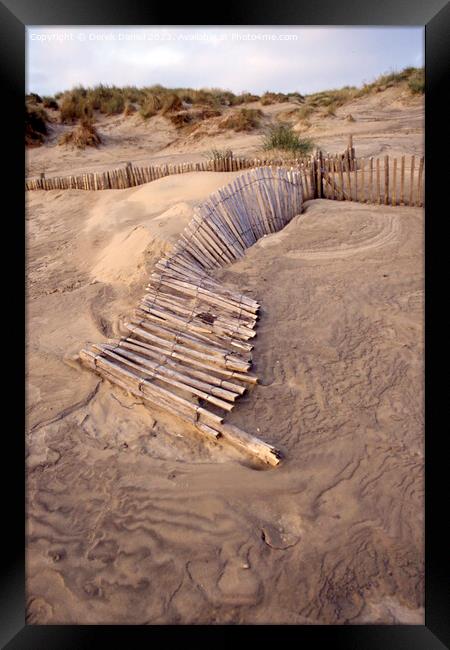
<point x="279" y="59"/>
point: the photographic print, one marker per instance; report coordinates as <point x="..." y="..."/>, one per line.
<point x="225" y="324"/>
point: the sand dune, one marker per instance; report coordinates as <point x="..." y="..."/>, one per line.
<point x="132" y="518"/>
<point x="389" y="122"/>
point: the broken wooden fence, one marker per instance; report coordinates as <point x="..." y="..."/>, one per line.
<point x="187" y="347"/>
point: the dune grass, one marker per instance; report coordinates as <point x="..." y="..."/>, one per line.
<point x="36" y="119"/>
<point x="218" y="154"/>
<point x="83" y="135"/>
<point x="80" y="103"/>
<point x="282" y="137"/>
<point x="245" y="119"/>
<point x="416" y="82"/>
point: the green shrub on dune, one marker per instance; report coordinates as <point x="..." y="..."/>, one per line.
<point x="282" y="136"/>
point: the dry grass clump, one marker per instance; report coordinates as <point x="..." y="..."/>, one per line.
<point x="206" y="113"/>
<point x="330" y="110"/>
<point x="50" y="103"/>
<point x="192" y="117"/>
<point x="271" y="98"/>
<point x="180" y="119"/>
<point x="151" y="106"/>
<point x="336" y="97"/>
<point x="280" y="98"/>
<point x="282" y="137"/>
<point x="36" y="120"/>
<point x="244" y="98"/>
<point x="218" y="154"/>
<point x="74" y="106"/>
<point x="33" y="98"/>
<point x="416" y="81"/>
<point x="83" y="135"/>
<point x="129" y="109"/>
<point x="245" y="119"/>
<point x="413" y="77"/>
<point x="170" y="103"/>
<point x="202" y="96"/>
<point x="305" y="111"/>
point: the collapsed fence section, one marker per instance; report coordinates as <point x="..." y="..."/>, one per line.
<point x="187" y="347"/>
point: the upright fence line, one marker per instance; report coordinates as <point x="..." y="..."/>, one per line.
<point x="339" y="177"/>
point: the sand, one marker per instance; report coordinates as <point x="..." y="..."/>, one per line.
<point x="132" y="518"/>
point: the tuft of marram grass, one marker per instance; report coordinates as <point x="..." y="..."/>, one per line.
<point x="83" y="135"/>
<point x="282" y="136"/>
<point x="74" y="106"/>
<point x="171" y="103"/>
<point x="151" y="106"/>
<point x="218" y="154"/>
<point x="416" y="82"/>
<point x="36" y="119"/>
<point x="245" y="119"/>
<point x="129" y="108"/>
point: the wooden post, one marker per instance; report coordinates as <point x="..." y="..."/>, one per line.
<point x="333" y="178"/>
<point x="386" y="180"/>
<point x="411" y="187"/>
<point x="402" y="180"/>
<point x="363" y="189"/>
<point x="394" y="183"/>
<point x="319" y="165"/>
<point x="355" y="173"/>
<point x="341" y="178"/>
<point x="350" y="151"/>
<point x="313" y="178"/>
<point x="378" y="182"/>
<point x="419" y="183"/>
<point x="349" y="183"/>
<point x="129" y="172"/>
<point x="371" y="180"/>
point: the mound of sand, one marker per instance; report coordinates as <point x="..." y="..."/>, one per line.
<point x="130" y="520"/>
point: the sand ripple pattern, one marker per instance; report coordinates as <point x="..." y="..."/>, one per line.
<point x="131" y="520"/>
<point x="387" y="232"/>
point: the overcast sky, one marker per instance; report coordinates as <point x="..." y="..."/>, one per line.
<point x="304" y="59"/>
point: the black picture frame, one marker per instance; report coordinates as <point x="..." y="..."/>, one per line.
<point x="15" y="15"/>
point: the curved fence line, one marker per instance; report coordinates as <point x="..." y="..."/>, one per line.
<point x="187" y="346"/>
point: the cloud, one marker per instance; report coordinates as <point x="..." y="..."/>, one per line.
<point x="254" y="59"/>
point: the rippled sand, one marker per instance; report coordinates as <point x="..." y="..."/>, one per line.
<point x="132" y="518"/>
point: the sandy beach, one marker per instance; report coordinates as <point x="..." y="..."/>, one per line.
<point x="133" y="519"/>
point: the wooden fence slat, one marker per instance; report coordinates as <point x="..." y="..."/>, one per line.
<point x="378" y="181"/>
<point x="319" y="163"/>
<point x="332" y="175"/>
<point x="363" y="187"/>
<point x="341" y="178"/>
<point x="394" y="182"/>
<point x="419" y="183"/>
<point x="349" y="184"/>
<point x="402" y="180"/>
<point x="411" y="188"/>
<point x="386" y="180"/>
